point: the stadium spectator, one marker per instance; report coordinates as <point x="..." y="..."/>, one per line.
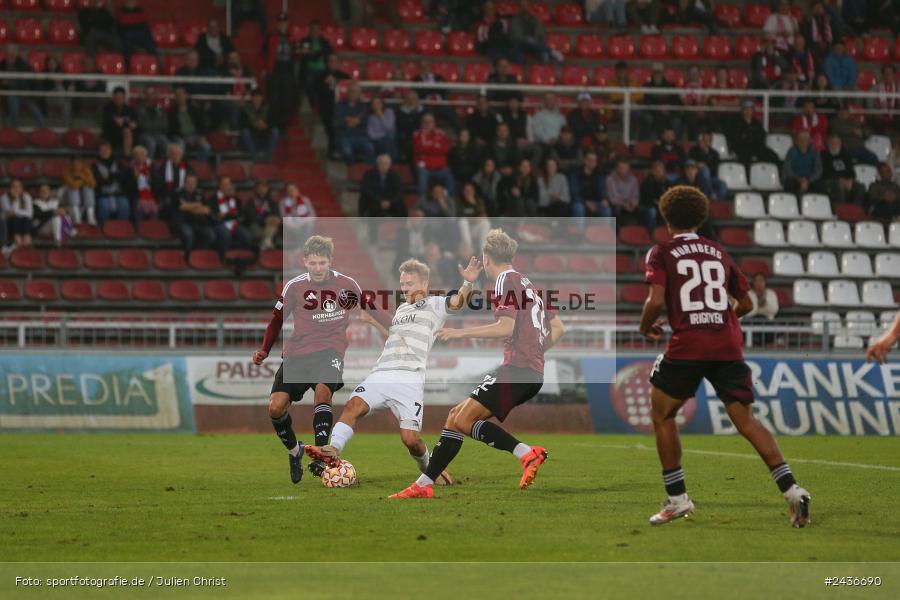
<point x="766" y="67"/>
<point x="691" y="176"/>
<point x="663" y="117"/>
<point x="567" y="151"/>
<point x="609" y="12"/>
<point x="622" y="190"/>
<point x="504" y="151"/>
<point x="409" y="120"/>
<point x="248" y="10"/>
<point x="519" y="122"/>
<point x="258" y="135"/>
<point x="547" y="122"/>
<point x="187" y="124"/>
<point x="802" y="167"/>
<point x="14" y="62"/>
<point x="811" y="121"/>
<point x="765" y="301"/>
<point x="789" y="85"/>
<point x="192" y="68"/>
<point x="350" y="116"/>
<point x="97" y="27"/>
<point x="474" y="223"/>
<point x="852" y="132"/>
<point x="646" y="14"/>
<point x="883" y="197"/>
<point x="818" y="30"/>
<point x="824" y="104"/>
<point x="191" y="220"/>
<point x="694" y="116"/>
<point x="134" y="30"/>
<point x="438" y="202"/>
<point x="78" y="190"/>
<point x="225" y="213"/>
<point x="314" y="51"/>
<point x="887" y="100"/>
<point x="747" y="138"/>
<point x="503" y="75"/>
<point x="213" y="46"/>
<point x="652" y="188"/>
<point x="529" y="36"/>
<point x="17" y="209"/>
<point x="801" y="61"/>
<point x="262" y="216"/>
<point x="669" y="152"/>
<point x="139" y="188"/>
<point x="587" y="188"/>
<point x="840" y="67"/>
<point x="110" y="178"/>
<point x="487" y="180"/>
<point x="152" y="123"/>
<point x="299" y="216"/>
<point x="442" y="267"/>
<point x="411" y="239"/>
<point x="380" y="194"/>
<point x="584" y="121"/>
<point x="431" y="148"/>
<point x="641" y="120"/>
<point x="91" y="86"/>
<point x="326" y="88"/>
<point x="854" y="14"/>
<point x="51" y="218"/>
<point x="381" y="128"/>
<point x="58" y="104"/>
<point x="228" y="111"/>
<point x="492" y="34"/>
<point x="482" y="123"/>
<point x="434" y="97"/>
<point x="688" y="13"/>
<point x="518" y="193"/>
<point x="707" y="159"/>
<point x="281" y="80"/>
<point x="465" y="158"/>
<point x="119" y="122"/>
<point x="781" y="27"/>
<point x="170" y="178"/>
<point x="838" y="175"/>
<point x="725" y="97"/>
<point x="553" y="191"/>
<point x="894" y="159"/>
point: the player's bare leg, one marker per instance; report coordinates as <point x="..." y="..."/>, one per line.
<point x="323" y="417"/>
<point x="354" y="410"/>
<point x="419" y="452"/>
<point x="668" y="446"/>
<point x="279" y="403"/>
<point x="765" y="445"/>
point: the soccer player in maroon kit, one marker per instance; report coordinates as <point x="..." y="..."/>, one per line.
<point x="528" y="331"/>
<point x="320" y="301"/>
<point x="693" y="279"/>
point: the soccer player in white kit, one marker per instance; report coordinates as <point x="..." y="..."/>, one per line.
<point x="397" y="382"/>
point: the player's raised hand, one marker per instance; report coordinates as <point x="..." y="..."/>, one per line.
<point x="472" y="270"/>
<point x="445" y="334"/>
<point x="259" y="356"/>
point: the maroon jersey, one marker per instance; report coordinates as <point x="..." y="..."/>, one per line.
<point x="516" y="297"/>
<point x="699" y="277"/>
<point x="321" y="313"/>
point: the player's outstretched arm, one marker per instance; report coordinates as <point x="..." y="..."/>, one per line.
<point x="743" y="306"/>
<point x="470" y="276"/>
<point x="880" y="347"/>
<point x="651" y="321"/>
<point x="557" y="330"/>
<point x="273" y="330"/>
<point x="503" y="328"/>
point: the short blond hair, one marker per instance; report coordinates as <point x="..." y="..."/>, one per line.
<point x="499" y="246"/>
<point x="415" y="266"/>
<point x="318" y="245"/>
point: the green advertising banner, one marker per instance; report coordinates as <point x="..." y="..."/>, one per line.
<point x="94" y="392"/>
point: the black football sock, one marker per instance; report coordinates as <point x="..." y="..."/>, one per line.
<point x="322" y="420"/>
<point x="674" y="480"/>
<point x="285" y="430"/>
<point x="444" y="452"/>
<point x="783" y="477"/>
<point x="494" y="436"/>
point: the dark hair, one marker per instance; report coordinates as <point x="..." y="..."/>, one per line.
<point x="118" y="90"/>
<point x="684" y="207"/>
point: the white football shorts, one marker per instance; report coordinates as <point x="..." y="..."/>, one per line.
<point x="400" y="391"/>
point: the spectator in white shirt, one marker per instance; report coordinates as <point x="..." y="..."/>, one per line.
<point x="765" y="302"/>
<point x="781" y="27"/>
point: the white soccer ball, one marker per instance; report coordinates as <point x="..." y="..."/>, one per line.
<point x="341" y="476"/>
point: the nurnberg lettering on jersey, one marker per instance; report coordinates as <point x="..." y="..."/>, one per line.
<point x="685" y="249"/>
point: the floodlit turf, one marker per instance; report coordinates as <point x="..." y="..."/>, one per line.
<point x="228" y="498"/>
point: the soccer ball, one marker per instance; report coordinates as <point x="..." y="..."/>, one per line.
<point x="343" y="475"/>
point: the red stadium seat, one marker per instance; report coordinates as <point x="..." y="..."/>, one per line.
<point x="897" y="48"/>
<point x="22" y="168"/>
<point x="684" y="47"/>
<point x="350" y="67"/>
<point x="204" y="260"/>
<point x="604" y="76"/>
<point x="756" y="15"/>
<point x="738" y="78"/>
<point x="264" y="171"/>
<point x="363" y="39"/>
<point x="535" y="233"/>
<point x="27" y="259"/>
<point x="73" y="61"/>
<point x="165" y="34"/>
<point x="297" y="31"/>
<point x="80" y="139"/>
<point x="852" y="45"/>
<point x="201" y="169"/>
<point x="169" y="260"/>
<point x="876" y="49"/>
<point x="191" y="32"/>
<point x="653" y="47"/>
<point x="89" y="232"/>
<point x="448" y="70"/>
<point x="220" y="290"/>
<point x="589" y="45"/>
<point x="865" y="80"/>
<point x="99" y="260"/>
<point x="475" y="72"/>
<point x="429" y="42"/>
<point x="77" y="290"/>
<point x="634" y="293"/>
<point x="53" y="168"/>
<point x="548" y="263"/>
<point x="745" y="46"/>
<point x="634" y="235"/>
<point x="233" y="169"/>
<point x="541" y="11"/>
<point x="621" y="264"/>
<point x="410" y="11"/>
<point x="119" y="230"/>
<point x="111" y="63"/>
<point x="736" y="237"/>
<point x="716" y="47"/>
<point x="643" y="149"/>
<point x="134" y="259"/>
<point x="174" y="62"/>
<point x="149" y="291"/>
<point x="507" y="8"/>
<point x="44" y="138"/>
<point x="379" y="70"/>
<point x="396" y="41"/>
<point x="271" y="260"/>
<point x="40" y="290"/>
<point x="184" y="291"/>
<point x="461" y="43"/>
<point x="522" y="263"/>
<point x="561" y="42"/>
<point x="852" y="213"/>
<point x="9" y="291"/>
<point x="575" y="75"/>
<point x="256" y="291"/>
<point x="335" y="36"/>
<point x="4" y="33"/>
<point x="620" y="47"/>
<point x="38" y="60"/>
<point x="113" y="291"/>
<point x="785" y="300"/>
<point x="221" y="141"/>
<point x="12" y="138"/>
<point x="569" y="14"/>
<point x="754" y="266"/>
<point x="542" y="75"/>
<point x="600" y="235"/>
<point x="640" y="75"/>
<point x="29" y="31"/>
<point x="244" y="257"/>
<point x="63" y="33"/>
<point x="143" y="64"/>
<point x="721" y="210"/>
<point x="674" y="76"/>
<point x="24" y="5"/>
<point x="582" y="263"/>
<point x="64" y="259"/>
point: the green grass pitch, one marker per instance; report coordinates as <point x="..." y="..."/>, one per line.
<point x="181" y="498"/>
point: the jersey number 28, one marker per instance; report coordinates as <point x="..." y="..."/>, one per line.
<point x="710" y="272"/>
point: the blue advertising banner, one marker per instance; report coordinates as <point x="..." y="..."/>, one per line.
<point x="95" y="392"/>
<point x="793" y="397"/>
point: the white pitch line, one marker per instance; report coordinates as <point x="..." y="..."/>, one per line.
<point x="283" y="498"/>
<point x="812" y="461"/>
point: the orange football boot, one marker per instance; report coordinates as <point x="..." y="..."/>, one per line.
<point x="531" y="462"/>
<point x="415" y="491"/>
<point x="327" y="454"/>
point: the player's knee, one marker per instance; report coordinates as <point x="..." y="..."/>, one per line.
<point x="355" y="408"/>
<point x="277" y="408"/>
<point x="410" y="439"/>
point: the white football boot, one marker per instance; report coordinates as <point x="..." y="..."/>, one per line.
<point x="798" y="505"/>
<point x="672" y="508"/>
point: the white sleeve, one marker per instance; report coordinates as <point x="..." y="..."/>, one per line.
<point x="439" y="304"/>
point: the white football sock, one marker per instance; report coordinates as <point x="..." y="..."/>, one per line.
<point x="424" y="480"/>
<point x="422" y="461"/>
<point x="340" y="435"/>
<point x="295" y="451"/>
<point x="521" y="450"/>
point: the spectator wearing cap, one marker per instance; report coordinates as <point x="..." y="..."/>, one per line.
<point x="258" y="135"/>
<point x="213" y="46"/>
<point x="430" y="154"/>
<point x="553" y="191"/>
<point x="584" y="121"/>
<point x="707" y="160"/>
<point x="781" y="27"/>
<point x="134" y="30"/>
<point x="691" y="176"/>
<point x="646" y="14"/>
<point x="663" y="117"/>
<point x="482" y="123"/>
<point x="350" y="116"/>
<point x="119" y="122"/>
<point x="314" y="51"/>
<point x="587" y="188"/>
<point x="380" y="194"/>
<point x="518" y="120"/>
<point x="547" y="122"/>
<point x="802" y="167"/>
<point x="747" y="138"/>
<point x="504" y="150"/>
<point x="281" y="80"/>
<point x="622" y="189"/>
<point x="187" y="124"/>
<point x="669" y="152"/>
<point x="813" y="122"/>
<point x="840" y="67"/>
<point x="567" y="151"/>
<point x="838" y="175"/>
<point x="262" y="216"/>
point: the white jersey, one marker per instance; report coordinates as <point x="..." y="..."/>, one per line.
<point x="412" y="334"/>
